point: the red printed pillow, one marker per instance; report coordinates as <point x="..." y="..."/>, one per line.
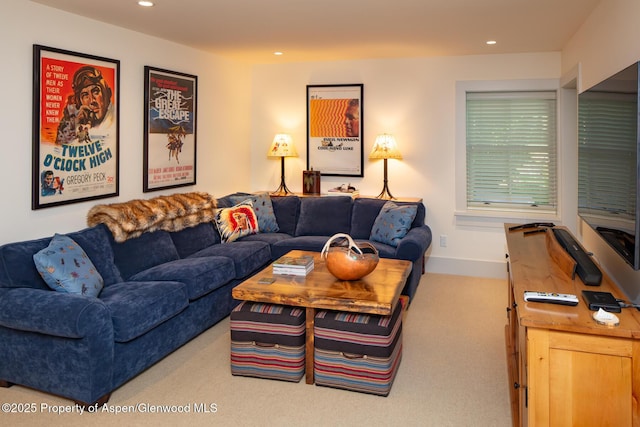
<point x="237" y="221"/>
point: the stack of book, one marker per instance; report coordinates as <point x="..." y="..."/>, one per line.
<point x="299" y="266"/>
<point x="343" y="190"/>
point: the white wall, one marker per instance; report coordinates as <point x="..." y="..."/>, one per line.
<point x="224" y="96"/>
<point x="240" y="109"/>
<point x="415" y="100"/>
<point x="604" y="45"/>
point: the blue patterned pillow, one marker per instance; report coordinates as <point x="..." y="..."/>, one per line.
<point x="393" y="223"/>
<point x="263" y="208"/>
<point x="65" y="267"/>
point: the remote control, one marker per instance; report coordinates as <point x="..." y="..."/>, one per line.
<point x="550" y="297"/>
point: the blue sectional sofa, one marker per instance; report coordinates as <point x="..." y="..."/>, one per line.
<point x="161" y="289"/>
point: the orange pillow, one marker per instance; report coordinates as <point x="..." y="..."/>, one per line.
<point x="237" y="221"/>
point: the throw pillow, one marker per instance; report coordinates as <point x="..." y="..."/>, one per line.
<point x="393" y="223"/>
<point x="263" y="208"/>
<point x="237" y="221"/>
<point x="65" y="267"/>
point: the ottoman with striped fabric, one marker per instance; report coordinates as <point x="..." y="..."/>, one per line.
<point x="268" y="341"/>
<point x="359" y="352"/>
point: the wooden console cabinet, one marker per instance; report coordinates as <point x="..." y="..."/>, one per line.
<point x="564" y="369"/>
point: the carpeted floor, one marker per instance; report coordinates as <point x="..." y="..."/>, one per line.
<point x="453" y="373"/>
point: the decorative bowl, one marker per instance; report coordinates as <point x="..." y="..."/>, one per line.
<point x="348" y="260"/>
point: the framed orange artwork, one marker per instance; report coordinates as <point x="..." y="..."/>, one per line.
<point x="75" y="127"/>
<point x="335" y="130"/>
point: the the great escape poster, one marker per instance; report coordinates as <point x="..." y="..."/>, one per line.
<point x="75" y="136"/>
<point x="170" y="129"/>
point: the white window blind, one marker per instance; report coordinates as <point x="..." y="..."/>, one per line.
<point x="511" y="150"/>
<point x="607" y="125"/>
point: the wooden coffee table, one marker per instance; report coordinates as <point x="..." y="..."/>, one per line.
<point x="376" y="293"/>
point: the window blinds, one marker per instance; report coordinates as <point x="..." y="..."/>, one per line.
<point x="511" y="150"/>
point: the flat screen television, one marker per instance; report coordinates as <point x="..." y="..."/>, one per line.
<point x="608" y="169"/>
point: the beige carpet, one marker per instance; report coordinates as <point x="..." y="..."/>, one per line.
<point x="453" y="373"/>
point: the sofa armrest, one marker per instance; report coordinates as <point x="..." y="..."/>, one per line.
<point x="52" y="313"/>
<point x="414" y="244"/>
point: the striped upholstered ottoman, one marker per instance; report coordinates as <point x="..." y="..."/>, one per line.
<point x="268" y="341"/>
<point x="358" y="352"/>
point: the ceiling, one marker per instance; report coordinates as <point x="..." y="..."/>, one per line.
<point x="327" y="30"/>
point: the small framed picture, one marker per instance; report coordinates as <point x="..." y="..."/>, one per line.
<point x="170" y="108"/>
<point x="75" y="127"/>
<point x="334" y="129"/>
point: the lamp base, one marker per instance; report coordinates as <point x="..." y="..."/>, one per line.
<point x="283" y="190"/>
<point x="385" y="194"/>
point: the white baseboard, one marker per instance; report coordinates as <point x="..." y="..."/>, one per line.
<point x="467" y="267"/>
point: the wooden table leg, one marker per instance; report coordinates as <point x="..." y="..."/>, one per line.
<point x="309" y="357"/>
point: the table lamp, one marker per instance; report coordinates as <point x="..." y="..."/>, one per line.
<point x="385" y="148"/>
<point x="282" y="146"/>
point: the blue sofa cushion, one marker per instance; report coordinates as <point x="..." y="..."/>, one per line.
<point x="269" y="238"/>
<point x="192" y="239"/>
<point x="363" y="215"/>
<point x="366" y="210"/>
<point x="140" y="253"/>
<point x="303" y="243"/>
<point x="286" y="210"/>
<point x="393" y="223"/>
<point x="65" y="267"/>
<point x="138" y="307"/>
<point x="263" y="208"/>
<point x="324" y="216"/>
<point x="421" y="215"/>
<point x="247" y="256"/>
<point x="200" y="275"/>
<point x="384" y="250"/>
<point x="227" y="201"/>
<point x="51" y="313"/>
<point x="95" y="242"/>
<point x="17" y="269"/>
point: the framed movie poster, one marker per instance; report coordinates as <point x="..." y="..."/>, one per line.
<point x="334" y="129"/>
<point x="170" y="101"/>
<point x="75" y="127"/>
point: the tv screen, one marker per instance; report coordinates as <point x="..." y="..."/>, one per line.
<point x="608" y="161"/>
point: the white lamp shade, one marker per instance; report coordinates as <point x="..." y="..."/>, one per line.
<point x="385" y="147"/>
<point x="282" y="146"/>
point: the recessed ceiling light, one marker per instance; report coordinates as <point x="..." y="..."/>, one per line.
<point x="278" y="53"/>
<point x="145" y="3"/>
<point x="491" y="42"/>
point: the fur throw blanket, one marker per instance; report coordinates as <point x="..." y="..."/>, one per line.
<point x="170" y="213"/>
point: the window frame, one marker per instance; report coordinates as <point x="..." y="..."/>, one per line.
<point x="500" y="214"/>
